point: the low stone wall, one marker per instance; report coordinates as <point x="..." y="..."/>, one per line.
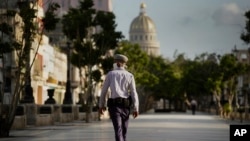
<point x="44" y="120"/>
<point x="49" y="114"/>
<point x="76" y="112"/>
<point x="95" y="116"/>
<point x="19" y="122"/>
<point x="31" y="112"/>
<point x="45" y="115"/>
<point x="66" y="117"/>
<point x="57" y="113"/>
<point x="67" y="114"/>
<point x="82" y="116"/>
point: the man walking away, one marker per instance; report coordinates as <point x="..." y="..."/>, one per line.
<point x="123" y="96"/>
<point x="193" y="106"/>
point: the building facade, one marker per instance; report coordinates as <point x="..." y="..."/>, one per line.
<point x="50" y="64"/>
<point x="243" y="85"/>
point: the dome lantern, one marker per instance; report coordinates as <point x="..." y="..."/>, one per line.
<point x="143" y="8"/>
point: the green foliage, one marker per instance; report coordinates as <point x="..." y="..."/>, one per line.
<point x="5" y="47"/>
<point x="107" y="38"/>
<point x="164" y="73"/>
<point x="97" y="75"/>
<point x="6" y="43"/>
<point x="28" y="14"/>
<point x="201" y="76"/>
<point x="137" y="64"/>
<point x="107" y="64"/>
<point x="206" y="76"/>
<point x="227" y="108"/>
<point x="77" y="21"/>
<point x="6" y="28"/>
<point x="91" y="35"/>
<point x="245" y="36"/>
<point x="229" y="66"/>
<point x="50" y="20"/>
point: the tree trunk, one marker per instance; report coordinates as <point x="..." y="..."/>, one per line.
<point x="89" y="105"/>
<point x="89" y="96"/>
<point x="219" y="108"/>
<point x="5" y="121"/>
<point x="4" y="129"/>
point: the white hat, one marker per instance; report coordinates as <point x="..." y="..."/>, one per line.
<point x="121" y="57"/>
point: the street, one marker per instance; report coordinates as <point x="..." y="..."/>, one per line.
<point x="147" y="127"/>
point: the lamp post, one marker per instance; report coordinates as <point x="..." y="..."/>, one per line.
<point x="28" y="90"/>
<point x="68" y="95"/>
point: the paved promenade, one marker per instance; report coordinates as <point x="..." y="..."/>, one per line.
<point x="147" y="127"/>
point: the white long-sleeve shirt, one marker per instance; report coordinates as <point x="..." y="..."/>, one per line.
<point x="122" y="84"/>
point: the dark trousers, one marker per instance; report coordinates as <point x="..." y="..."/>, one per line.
<point x="193" y="109"/>
<point x="120" y="119"/>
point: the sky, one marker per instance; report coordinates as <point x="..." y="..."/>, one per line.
<point x="191" y="27"/>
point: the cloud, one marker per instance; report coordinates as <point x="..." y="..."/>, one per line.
<point x="186" y="21"/>
<point x="228" y="14"/>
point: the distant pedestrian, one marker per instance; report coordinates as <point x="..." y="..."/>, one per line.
<point x="193" y="106"/>
<point x="123" y="95"/>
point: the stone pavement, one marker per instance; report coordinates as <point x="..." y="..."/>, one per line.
<point x="147" y="127"/>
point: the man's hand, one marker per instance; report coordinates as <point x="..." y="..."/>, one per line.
<point x="135" y="114"/>
<point x="101" y="110"/>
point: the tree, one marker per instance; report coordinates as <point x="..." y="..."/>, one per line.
<point x="245" y="36"/>
<point x="138" y="65"/>
<point x="230" y="69"/>
<point x="20" y="47"/>
<point x="161" y="71"/>
<point x="93" y="34"/>
<point x="202" y="79"/>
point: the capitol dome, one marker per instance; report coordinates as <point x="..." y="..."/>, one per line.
<point x="142" y="22"/>
<point x="143" y="32"/>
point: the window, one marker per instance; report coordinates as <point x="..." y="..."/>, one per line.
<point x="135" y="37"/>
<point x="38" y="65"/>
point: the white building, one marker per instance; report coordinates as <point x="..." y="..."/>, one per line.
<point x="57" y="38"/>
<point x="143" y="32"/>
<point x="48" y="72"/>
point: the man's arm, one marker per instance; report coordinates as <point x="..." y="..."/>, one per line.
<point x="104" y="93"/>
<point x="134" y="97"/>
